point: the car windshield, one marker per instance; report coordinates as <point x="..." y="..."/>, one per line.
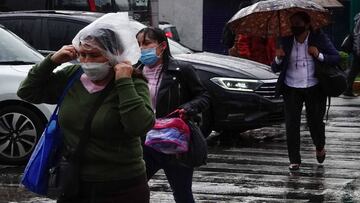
<point x="15" y="51"/>
<point x="176" y="48"/>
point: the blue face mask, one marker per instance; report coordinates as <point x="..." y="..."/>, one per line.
<point x="148" y="56"/>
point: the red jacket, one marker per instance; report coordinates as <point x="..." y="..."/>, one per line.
<point x="257" y="49"/>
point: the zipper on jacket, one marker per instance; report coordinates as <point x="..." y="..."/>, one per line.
<point x="169" y="100"/>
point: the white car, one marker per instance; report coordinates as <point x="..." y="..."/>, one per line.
<point x="21" y="123"/>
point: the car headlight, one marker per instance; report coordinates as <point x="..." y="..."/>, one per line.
<point x="246" y="85"/>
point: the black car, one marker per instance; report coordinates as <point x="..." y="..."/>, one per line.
<point x="242" y="91"/>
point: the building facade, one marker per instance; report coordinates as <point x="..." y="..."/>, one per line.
<point x="200" y="23"/>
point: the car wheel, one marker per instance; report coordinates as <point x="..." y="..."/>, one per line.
<point x="20" y="129"/>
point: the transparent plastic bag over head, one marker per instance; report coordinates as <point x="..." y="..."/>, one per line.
<point x="111" y="34"/>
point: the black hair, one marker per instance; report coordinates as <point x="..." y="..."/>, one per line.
<point x="303" y="16"/>
<point x="159" y="36"/>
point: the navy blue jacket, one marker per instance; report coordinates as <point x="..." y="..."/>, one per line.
<point x="317" y="39"/>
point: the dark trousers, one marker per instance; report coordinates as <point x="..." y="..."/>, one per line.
<point x="315" y="104"/>
<point x="132" y="190"/>
<point x="354" y="71"/>
<point x="179" y="176"/>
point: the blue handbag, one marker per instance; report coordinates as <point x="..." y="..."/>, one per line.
<point x="47" y="150"/>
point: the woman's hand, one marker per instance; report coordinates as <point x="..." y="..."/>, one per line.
<point x="279" y="53"/>
<point x="182" y="114"/>
<point x="233" y="52"/>
<point x="123" y="70"/>
<point x="313" y="51"/>
<point x="65" y="54"/>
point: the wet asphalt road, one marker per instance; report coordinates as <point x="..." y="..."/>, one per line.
<point x="255" y="168"/>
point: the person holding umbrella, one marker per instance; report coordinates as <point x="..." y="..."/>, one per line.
<point x="303" y="47"/>
<point x="297" y="60"/>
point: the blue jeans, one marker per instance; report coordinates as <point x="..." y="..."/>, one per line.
<point x="179" y="176"/>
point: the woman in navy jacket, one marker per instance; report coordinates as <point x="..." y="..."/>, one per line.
<point x="173" y="85"/>
<point x="297" y="60"/>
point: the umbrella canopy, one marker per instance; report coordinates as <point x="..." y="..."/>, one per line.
<point x="271" y="17"/>
<point x="329" y="3"/>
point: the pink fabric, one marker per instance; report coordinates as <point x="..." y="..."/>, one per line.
<point x="177" y="123"/>
<point x="167" y="141"/>
<point x="153" y="76"/>
<point x="169" y="136"/>
<point x="90" y="86"/>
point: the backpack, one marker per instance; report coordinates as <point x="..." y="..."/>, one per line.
<point x="332" y="79"/>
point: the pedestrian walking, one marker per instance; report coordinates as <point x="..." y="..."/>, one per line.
<point x="173" y="85"/>
<point x="111" y="165"/>
<point x="297" y="59"/>
<point x="353" y="46"/>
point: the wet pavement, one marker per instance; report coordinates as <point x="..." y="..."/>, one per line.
<point x="255" y="168"/>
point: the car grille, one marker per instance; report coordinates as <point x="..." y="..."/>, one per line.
<point x="267" y="89"/>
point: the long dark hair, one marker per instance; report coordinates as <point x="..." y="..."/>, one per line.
<point x="159" y="36"/>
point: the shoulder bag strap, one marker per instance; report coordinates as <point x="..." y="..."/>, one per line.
<point x="74" y="77"/>
<point x="69" y="84"/>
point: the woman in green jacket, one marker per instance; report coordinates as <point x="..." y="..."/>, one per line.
<point x="112" y="166"/>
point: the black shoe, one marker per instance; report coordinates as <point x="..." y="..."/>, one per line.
<point x="213" y="141"/>
<point x="349" y="94"/>
<point x="320" y="155"/>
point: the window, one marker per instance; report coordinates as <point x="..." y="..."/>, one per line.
<point x="140" y="3"/>
<point x="78" y="5"/>
<point x="29" y="29"/>
<point x="122" y="5"/>
<point x="13" y="49"/>
<point x="61" y="33"/>
<point x="103" y="5"/>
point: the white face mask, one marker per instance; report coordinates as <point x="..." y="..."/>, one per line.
<point x="96" y="71"/>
